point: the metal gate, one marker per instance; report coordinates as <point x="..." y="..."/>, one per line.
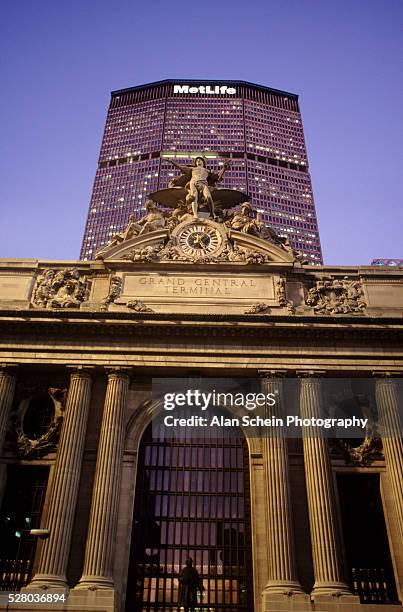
<point x="192" y="500"/>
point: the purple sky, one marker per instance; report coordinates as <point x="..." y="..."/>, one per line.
<point x="61" y="59"/>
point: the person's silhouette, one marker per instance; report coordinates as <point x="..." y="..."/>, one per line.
<point x="189" y="584"/>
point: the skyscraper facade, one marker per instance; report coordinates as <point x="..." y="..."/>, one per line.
<point x="259" y="129"/>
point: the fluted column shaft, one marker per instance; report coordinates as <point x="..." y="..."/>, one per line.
<point x="7" y="387"/>
<point x="387" y="400"/>
<point x="66" y="479"/>
<point x="282" y="570"/>
<point x="321" y="506"/>
<point x="99" y="553"/>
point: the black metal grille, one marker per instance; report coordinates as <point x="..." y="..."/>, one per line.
<point x="373" y="585"/>
<point x="365" y="538"/>
<point x="192" y="500"/>
<point x="20" y="512"/>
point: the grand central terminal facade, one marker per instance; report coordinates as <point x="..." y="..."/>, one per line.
<point x="99" y="510"/>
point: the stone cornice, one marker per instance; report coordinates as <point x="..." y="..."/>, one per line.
<point x="205" y="317"/>
<point x="96" y="267"/>
<point x="82" y="324"/>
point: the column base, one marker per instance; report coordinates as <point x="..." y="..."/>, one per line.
<point x="93" y="583"/>
<point x="48" y="582"/>
<point x="280" y="587"/>
<point x="332" y="590"/>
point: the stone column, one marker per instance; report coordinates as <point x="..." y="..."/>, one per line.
<point x="101" y="537"/>
<point x="62" y="506"/>
<point x="282" y="570"/>
<point x="8" y="377"/>
<point x="326" y="553"/>
<point x="387" y="400"/>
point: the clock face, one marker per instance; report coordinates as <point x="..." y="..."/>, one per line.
<point x="199" y="240"/>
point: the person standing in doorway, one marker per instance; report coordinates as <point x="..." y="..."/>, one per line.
<point x="189" y="584"/>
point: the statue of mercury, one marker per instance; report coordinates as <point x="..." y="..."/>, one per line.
<point x="201" y="181"/>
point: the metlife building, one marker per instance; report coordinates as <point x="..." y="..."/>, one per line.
<point x="258" y="128"/>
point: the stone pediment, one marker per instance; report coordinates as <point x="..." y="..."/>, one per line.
<point x="199" y="240"/>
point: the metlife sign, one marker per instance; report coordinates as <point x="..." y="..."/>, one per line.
<point x="204" y="89"/>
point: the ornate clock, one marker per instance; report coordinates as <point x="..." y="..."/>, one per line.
<point x="199" y="238"/>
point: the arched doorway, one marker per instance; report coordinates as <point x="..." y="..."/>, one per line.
<point x="192" y="500"/>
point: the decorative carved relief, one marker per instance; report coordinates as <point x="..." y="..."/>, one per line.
<point x="280" y="291"/>
<point x="115" y="289"/>
<point x="60" y="289"/>
<point x="147" y="254"/>
<point x="35" y="437"/>
<point x="370" y="448"/>
<point x="280" y="287"/>
<point x="335" y="296"/>
<point x="261" y="308"/>
<point x="255" y="258"/>
<point x="138" y="306"/>
<point x="172" y="252"/>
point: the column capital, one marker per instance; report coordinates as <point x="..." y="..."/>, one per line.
<point x="308" y="374"/>
<point x="272" y="373"/>
<point x="8" y="368"/>
<point x="387" y="375"/>
<point x="81" y="372"/>
<point x="118" y="372"/>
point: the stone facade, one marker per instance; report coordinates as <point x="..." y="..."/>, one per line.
<point x="100" y="331"/>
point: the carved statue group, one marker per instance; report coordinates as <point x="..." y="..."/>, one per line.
<point x="245" y="221"/>
<point x="152" y="221"/>
<point x="194" y="189"/>
<point x="192" y="222"/>
<point x="196" y="193"/>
